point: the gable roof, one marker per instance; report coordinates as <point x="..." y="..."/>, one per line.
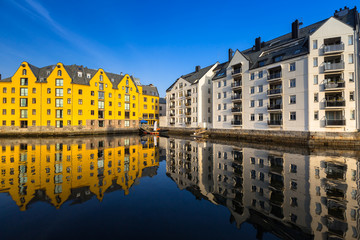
<point x="150" y="90"/>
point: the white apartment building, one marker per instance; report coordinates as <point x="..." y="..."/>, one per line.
<point x="189" y="99"/>
<point x="306" y="80"/>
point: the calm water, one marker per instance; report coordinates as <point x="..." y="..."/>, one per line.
<point x="168" y="188"/>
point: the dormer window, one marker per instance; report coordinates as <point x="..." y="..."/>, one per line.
<point x="47" y="73"/>
<point x="101" y="78"/>
<point x="59" y="73"/>
<point x="88" y="75"/>
<point x="79" y="74"/>
<point x="262" y="63"/>
<point x="112" y="80"/>
<point x="278" y="58"/>
<point x="127" y="82"/>
<point x="24" y="72"/>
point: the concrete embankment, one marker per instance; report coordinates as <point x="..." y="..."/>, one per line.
<point x="293" y="138"/>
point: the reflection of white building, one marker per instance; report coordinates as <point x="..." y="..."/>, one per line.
<point x="334" y="189"/>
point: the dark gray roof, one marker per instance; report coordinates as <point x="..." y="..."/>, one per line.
<point x="287" y="47"/>
<point x="220" y="70"/>
<point x="6" y="79"/>
<point x="162" y="100"/>
<point x="193" y="77"/>
<point x="150" y="90"/>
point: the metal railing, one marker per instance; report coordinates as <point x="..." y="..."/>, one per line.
<point x="234" y="97"/>
<point x="236" y="71"/>
<point x="188" y="94"/>
<point x="236" y="84"/>
<point x="330" y="85"/>
<point x="337" y="103"/>
<point x="274" y="76"/>
<point x="335" y="122"/>
<point x="334" y="66"/>
<point x="236" y="122"/>
<point x="236" y="109"/>
<point x="274" y="106"/>
<point x="333" y="48"/>
<point x="274" y="91"/>
<point x="274" y="122"/>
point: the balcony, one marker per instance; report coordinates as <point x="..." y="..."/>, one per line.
<point x="172" y="105"/>
<point x="331" y="67"/>
<point x="274" y="122"/>
<point x="274" y="76"/>
<point x="336" y="48"/>
<point x="274" y="106"/>
<point x="187" y="113"/>
<point x="188" y="122"/>
<point x="188" y="104"/>
<point x="236" y="109"/>
<point x="334" y="85"/>
<point x="335" y="122"/>
<point x="236" y="84"/>
<point x="274" y="91"/>
<point x="172" y="97"/>
<point x="172" y="123"/>
<point x="172" y="114"/>
<point x="335" y="103"/>
<point x="236" y="97"/>
<point x="188" y="94"/>
<point x="236" y="71"/>
<point x="236" y="122"/>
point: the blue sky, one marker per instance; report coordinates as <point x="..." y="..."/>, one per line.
<point x="157" y="41"/>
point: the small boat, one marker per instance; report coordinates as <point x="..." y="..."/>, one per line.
<point x="145" y="129"/>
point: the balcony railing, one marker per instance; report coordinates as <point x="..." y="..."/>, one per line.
<point x="188" y="104"/>
<point x="337" y="103"/>
<point x="172" y="114"/>
<point x="334" y="66"/>
<point x="188" y="94"/>
<point x="236" y="71"/>
<point x="236" y="84"/>
<point x="187" y="113"/>
<point x="273" y="76"/>
<point x="187" y="122"/>
<point x="236" y="109"/>
<point x="335" y="122"/>
<point x="172" y="123"/>
<point x="334" y="48"/>
<point x="274" y="122"/>
<point x="274" y="106"/>
<point x="334" y="85"/>
<point x="236" y="122"/>
<point x="235" y="97"/>
<point x="274" y="91"/>
<point x="172" y="105"/>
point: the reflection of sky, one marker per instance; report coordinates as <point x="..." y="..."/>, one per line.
<point x="157" y="41"/>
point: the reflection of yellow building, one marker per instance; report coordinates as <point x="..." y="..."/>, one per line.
<point x="60" y="98"/>
<point x="73" y="169"/>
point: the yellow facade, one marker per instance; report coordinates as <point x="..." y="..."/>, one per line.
<point x="72" y="98"/>
<point x="75" y="168"/>
<point x="149" y="106"/>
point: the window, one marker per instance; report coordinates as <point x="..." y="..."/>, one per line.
<point x="59" y="102"/>
<point x="4" y="112"/>
<point x="292" y="99"/>
<point x="219" y="118"/>
<point x="101" y="104"/>
<point x="92" y="93"/>
<point x="351" y="77"/>
<point x="260" y="88"/>
<point x="80" y="91"/>
<point x="68" y="112"/>
<point x="292" y="83"/>
<point x="252" y="90"/>
<point x="293" y="116"/>
<point x="23" y="81"/>
<point x="219" y="84"/>
<point x="351" y="58"/>
<point x="292" y="67"/>
<point x="12" y="100"/>
<point x="350" y="40"/>
<point x="315" y="62"/>
<point x="12" y="90"/>
<point x="278" y="58"/>
<point x="101" y="78"/>
<point x="126" y="89"/>
<point x="352" y="96"/>
<point x="48" y="112"/>
<point x="252" y="103"/>
<point x="224" y="93"/>
<point x="23" y="91"/>
<point x="219" y="106"/>
<point x="4" y="90"/>
<point x="316" y="79"/>
<point x="261" y="117"/>
<point x="260" y="103"/>
<point x="127" y="106"/>
<point x="80" y="112"/>
<point x="127" y="98"/>
<point x="315" y="44"/>
<point x="101" y="95"/>
<point x="224" y="83"/>
<point x="59" y="113"/>
<point x="59" y="82"/>
<point x="59" y="123"/>
<point x="4" y="100"/>
<point x="316" y="97"/>
<point x="219" y="95"/>
<point x="69" y="90"/>
<point x="59" y="92"/>
<point x="23" y="113"/>
<point x="252" y="117"/>
<point x="224" y="117"/>
<point x="12" y="111"/>
<point x="352" y="114"/>
<point x="252" y="77"/>
<point x="80" y="101"/>
<point x="69" y="101"/>
<point x="316" y="115"/>
<point x="110" y="95"/>
<point x="34" y="90"/>
<point x="224" y="106"/>
<point x="24" y="72"/>
<point x="260" y="74"/>
<point x="80" y="122"/>
<point x="34" y="112"/>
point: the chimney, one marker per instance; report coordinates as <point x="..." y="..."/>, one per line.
<point x="230" y="54"/>
<point x="341" y="12"/>
<point x="197" y="68"/>
<point x="257" y="44"/>
<point x="295" y="29"/>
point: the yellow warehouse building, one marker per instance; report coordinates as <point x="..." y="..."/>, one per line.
<point x="72" y="98"/>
